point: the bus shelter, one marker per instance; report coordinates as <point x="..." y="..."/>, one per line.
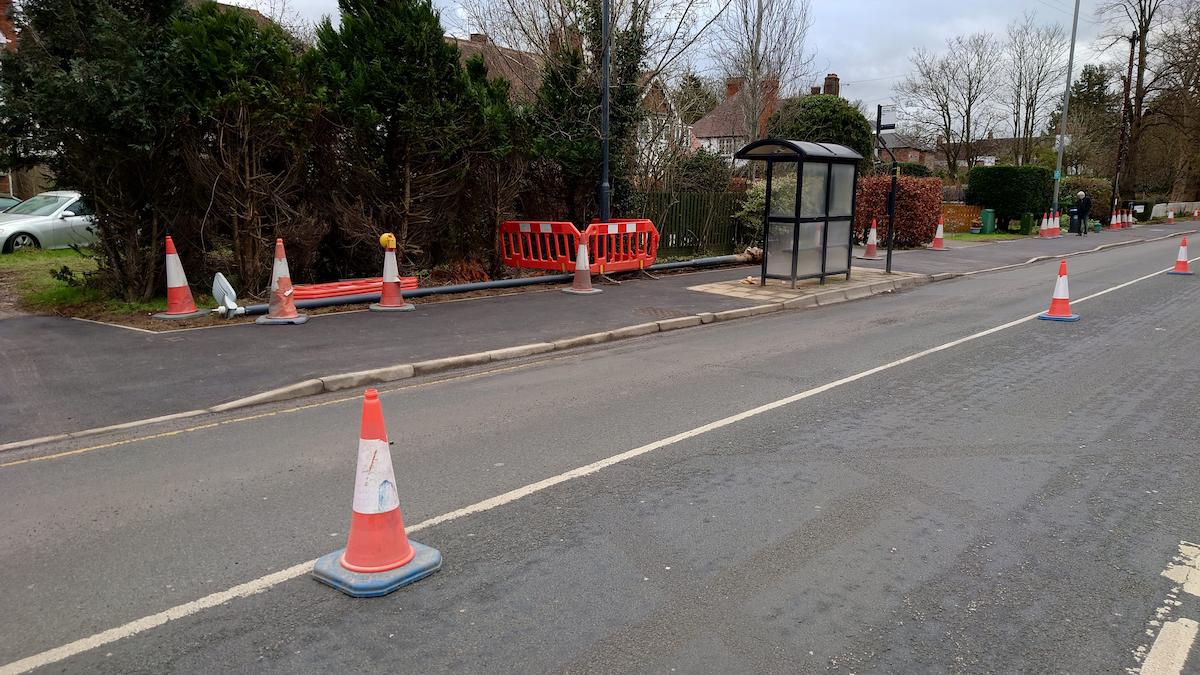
<point x="808" y="217"/>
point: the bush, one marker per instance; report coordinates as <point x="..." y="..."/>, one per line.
<point x="914" y="169"/>
<point x="1010" y="190"/>
<point x="1098" y="189"/>
<point x="749" y="215"/>
<point x="701" y="171"/>
<point x="918" y="203"/>
<point x="824" y="119"/>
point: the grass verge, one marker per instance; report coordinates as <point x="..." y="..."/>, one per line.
<point x="28" y="282"/>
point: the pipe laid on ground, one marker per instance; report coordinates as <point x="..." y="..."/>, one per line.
<point x="489" y="285"/>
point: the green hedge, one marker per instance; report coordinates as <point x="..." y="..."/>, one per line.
<point x="1099" y="189"/>
<point x="914" y="169"/>
<point x="1010" y="190"/>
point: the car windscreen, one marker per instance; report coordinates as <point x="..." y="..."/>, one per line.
<point x="41" y="205"/>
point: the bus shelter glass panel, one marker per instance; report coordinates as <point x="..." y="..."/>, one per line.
<point x="841" y="192"/>
<point x="808" y="254"/>
<point x="837" y="258"/>
<point x="779" y="243"/>
<point x="812" y="201"/>
<point x="783" y="193"/>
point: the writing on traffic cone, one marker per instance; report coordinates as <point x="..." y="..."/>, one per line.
<point x="179" y="295"/>
<point x="1060" y="302"/>
<point x="1181" y="260"/>
<point x="379" y="557"/>
<point x="939" y="243"/>
<point x="582" y="283"/>
<point x="391" y="298"/>
<point x="872" y="250"/>
<point x="281" y="307"/>
<point x="1170" y="217"/>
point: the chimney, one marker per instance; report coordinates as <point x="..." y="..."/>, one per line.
<point x="770" y="103"/>
<point x="479" y="37"/>
<point x="814" y="90"/>
<point x="991" y="136"/>
<point x="733" y="85"/>
<point x="832" y="85"/>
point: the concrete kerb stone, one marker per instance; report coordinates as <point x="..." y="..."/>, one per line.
<point x="706" y="317"/>
<point x="681" y="322"/>
<point x="363" y="378"/>
<point x="582" y="340"/>
<point x="42" y="440"/>
<point x="297" y="390"/>
<point x="802" y="302"/>
<point x="858" y="292"/>
<point x="462" y="361"/>
<point x="636" y="330"/>
<point x="830" y="297"/>
<point x="520" y="351"/>
<point x="744" y="312"/>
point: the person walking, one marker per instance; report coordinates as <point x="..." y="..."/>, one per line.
<point x="1083" y="208"/>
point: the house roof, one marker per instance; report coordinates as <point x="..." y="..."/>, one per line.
<point x="725" y="120"/>
<point x="523" y="70"/>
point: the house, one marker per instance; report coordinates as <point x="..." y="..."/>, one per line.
<point x="992" y="149"/>
<point x="907" y="149"/>
<point x="723" y="129"/>
<point x="523" y="70"/>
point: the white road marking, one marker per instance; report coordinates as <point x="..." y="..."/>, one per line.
<point x="263" y="583"/>
<point x="1171" y="647"/>
<point x="1185" y="568"/>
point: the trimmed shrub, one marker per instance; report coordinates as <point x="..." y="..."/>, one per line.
<point x="1099" y="189"/>
<point x="918" y="203"/>
<point x="914" y="169"/>
<point x="1010" y="190"/>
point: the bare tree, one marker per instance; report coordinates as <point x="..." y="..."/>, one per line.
<point x="763" y="42"/>
<point x="1131" y="21"/>
<point x="951" y="95"/>
<point x="1179" y="103"/>
<point x="1034" y="65"/>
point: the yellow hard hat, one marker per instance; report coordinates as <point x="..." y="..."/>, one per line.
<point x="387" y="240"/>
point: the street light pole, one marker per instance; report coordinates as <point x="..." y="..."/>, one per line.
<point x="1062" y="123"/>
<point x="604" y="186"/>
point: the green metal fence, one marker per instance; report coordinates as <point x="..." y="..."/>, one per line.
<point x="693" y="223"/>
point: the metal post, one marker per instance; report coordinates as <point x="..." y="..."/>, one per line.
<point x="1062" y="123"/>
<point x="604" y="186"/>
<point x="891" y="209"/>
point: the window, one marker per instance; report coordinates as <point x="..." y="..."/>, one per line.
<point x="727" y="145"/>
<point x="79" y="208"/>
<point x="41" y="205"/>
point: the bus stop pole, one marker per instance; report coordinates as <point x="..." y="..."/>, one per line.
<point x="891" y="211"/>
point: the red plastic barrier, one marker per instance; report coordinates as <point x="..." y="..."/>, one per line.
<point x="347" y="287"/>
<point x="538" y="245"/>
<point x="622" y="246"/>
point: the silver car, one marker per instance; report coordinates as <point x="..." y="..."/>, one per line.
<point x="48" y="220"/>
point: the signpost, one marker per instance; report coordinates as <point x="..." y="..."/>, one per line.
<point x="885" y="120"/>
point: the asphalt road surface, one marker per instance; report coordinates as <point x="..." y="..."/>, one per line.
<point x="930" y="481"/>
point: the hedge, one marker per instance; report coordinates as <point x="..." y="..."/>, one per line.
<point x="914" y="169"/>
<point x="918" y="204"/>
<point x="1099" y="189"/>
<point x="1010" y="190"/>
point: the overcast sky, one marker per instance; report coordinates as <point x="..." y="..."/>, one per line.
<point x="866" y="42"/>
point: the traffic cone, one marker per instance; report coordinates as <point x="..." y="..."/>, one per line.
<point x="872" y="250"/>
<point x="1181" y="260"/>
<point x="1060" y="303"/>
<point x="281" y="308"/>
<point x="1112" y="221"/>
<point x="179" y="295"/>
<point x="1044" y="228"/>
<point x="379" y="557"/>
<point x="939" y="243"/>
<point x="1055" y="226"/>
<point x="582" y="283"/>
<point x="1170" y="217"/>
<point x="391" y="299"/>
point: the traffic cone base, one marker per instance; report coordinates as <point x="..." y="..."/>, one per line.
<point x="1049" y="317"/>
<point x="406" y="307"/>
<point x="188" y="315"/>
<point x="270" y="321"/>
<point x="329" y="571"/>
<point x="1189" y="272"/>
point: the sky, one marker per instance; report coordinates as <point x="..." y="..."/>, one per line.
<point x="866" y="42"/>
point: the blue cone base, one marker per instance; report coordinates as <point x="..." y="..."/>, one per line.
<point x="190" y="315"/>
<point x="1181" y="273"/>
<point x="268" y="321"/>
<point x="406" y="307"/>
<point x="1047" y="317"/>
<point x="329" y="571"/>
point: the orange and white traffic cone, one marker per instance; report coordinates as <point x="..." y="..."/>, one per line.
<point x="1112" y="221"/>
<point x="391" y="298"/>
<point x="1170" y="217"/>
<point x="1181" y="260"/>
<point x="1060" y="302"/>
<point x="872" y="250"/>
<point x="281" y="307"/>
<point x="939" y="243"/>
<point x="1044" y="228"/>
<point x="582" y="283"/>
<point x="179" y="295"/>
<point x="379" y="557"/>
<point x="1055" y="229"/>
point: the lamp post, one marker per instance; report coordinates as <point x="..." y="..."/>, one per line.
<point x="604" y="186"/>
<point x="1062" y="123"/>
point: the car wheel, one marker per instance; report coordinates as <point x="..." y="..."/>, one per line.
<point x="19" y="241"/>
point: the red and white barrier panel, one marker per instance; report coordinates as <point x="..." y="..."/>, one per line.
<point x="622" y="246"/>
<point x="538" y="245"/>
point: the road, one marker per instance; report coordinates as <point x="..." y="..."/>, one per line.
<point x="921" y="482"/>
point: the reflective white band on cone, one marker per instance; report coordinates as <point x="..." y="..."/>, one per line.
<point x="374" y="481"/>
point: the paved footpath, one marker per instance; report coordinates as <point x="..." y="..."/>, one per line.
<point x="925" y="482"/>
<point x="61" y="375"/>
